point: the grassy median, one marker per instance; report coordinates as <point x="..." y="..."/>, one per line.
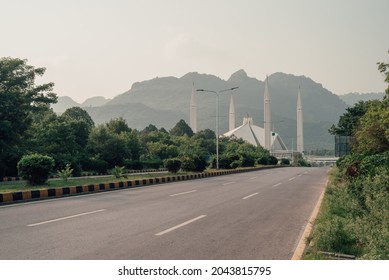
<point x="16" y="186"/>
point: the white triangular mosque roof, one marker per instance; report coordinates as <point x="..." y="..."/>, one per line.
<point x="256" y="135"/>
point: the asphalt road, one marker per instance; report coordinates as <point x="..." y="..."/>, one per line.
<point x="253" y="215"/>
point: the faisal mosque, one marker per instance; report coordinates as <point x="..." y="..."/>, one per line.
<point x="256" y="135"/>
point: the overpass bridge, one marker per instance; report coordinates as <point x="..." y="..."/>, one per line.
<point x="314" y="160"/>
<point x="321" y="160"/>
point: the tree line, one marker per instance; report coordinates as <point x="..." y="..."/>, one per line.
<point x="28" y="126"/>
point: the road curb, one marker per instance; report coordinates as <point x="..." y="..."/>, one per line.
<point x="31" y="195"/>
<point x="302" y="245"/>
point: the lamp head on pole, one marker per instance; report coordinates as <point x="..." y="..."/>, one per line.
<point x="233" y="88"/>
<point x="205" y="90"/>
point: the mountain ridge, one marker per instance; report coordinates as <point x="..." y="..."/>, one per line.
<point x="165" y="100"/>
<point x="66" y="102"/>
<point x="353" y="97"/>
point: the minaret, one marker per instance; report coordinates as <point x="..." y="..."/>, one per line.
<point x="193" y="111"/>
<point x="267" y="116"/>
<point x="232" y="114"/>
<point x="300" y="135"/>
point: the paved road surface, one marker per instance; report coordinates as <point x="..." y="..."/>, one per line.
<point x="254" y="215"/>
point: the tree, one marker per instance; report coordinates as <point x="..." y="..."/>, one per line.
<point x="207" y="134"/>
<point x="161" y="151"/>
<point x="57" y="137"/>
<point x="78" y="114"/>
<point x="80" y="122"/>
<point x="349" y="121"/>
<point x="384" y="68"/>
<point x="61" y="138"/>
<point x="149" y="129"/>
<point x="132" y="144"/>
<point x="181" y="128"/>
<point x="373" y="133"/>
<point x="107" y="146"/>
<point x="118" y="126"/>
<point x="20" y="98"/>
<point x="372" y="136"/>
<point x="205" y="140"/>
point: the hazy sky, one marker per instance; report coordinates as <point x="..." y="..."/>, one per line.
<point x="96" y="47"/>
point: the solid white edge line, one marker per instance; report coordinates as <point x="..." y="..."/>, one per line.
<point x="180" y="225"/>
<point x="177" y="194"/>
<point x="251" y="195"/>
<point x="276" y="185"/>
<point x="65" y="218"/>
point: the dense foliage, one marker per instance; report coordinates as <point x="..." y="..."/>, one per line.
<point x="20" y="99"/>
<point x="75" y="144"/>
<point x="349" y="121"/>
<point x="355" y="214"/>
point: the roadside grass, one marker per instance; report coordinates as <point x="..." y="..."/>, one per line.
<point x="16" y="186"/>
<point x="334" y="230"/>
<point x="352" y="222"/>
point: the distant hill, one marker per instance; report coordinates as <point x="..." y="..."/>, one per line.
<point x="137" y="115"/>
<point x="65" y="102"/>
<point x="96" y="101"/>
<point x="354" y="97"/>
<point x="164" y="101"/>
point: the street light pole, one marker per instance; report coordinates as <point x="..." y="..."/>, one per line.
<point x="217" y="118"/>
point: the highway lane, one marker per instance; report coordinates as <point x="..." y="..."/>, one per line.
<point x="253" y="215"/>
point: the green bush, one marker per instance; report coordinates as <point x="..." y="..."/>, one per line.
<point x="187" y="164"/>
<point x="35" y="168"/>
<point x="173" y="165"/>
<point x="263" y="160"/>
<point x="200" y="163"/>
<point x="135" y="164"/>
<point x="224" y="162"/>
<point x="285" y="161"/>
<point x="152" y="164"/>
<point x="247" y="160"/>
<point x="235" y="164"/>
<point x="117" y="171"/>
<point x="62" y="160"/>
<point x="369" y="165"/>
<point x="65" y="173"/>
<point x="272" y="160"/>
<point x="267" y="160"/>
<point x="95" y="164"/>
<point x="193" y="163"/>
<point x="303" y="163"/>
